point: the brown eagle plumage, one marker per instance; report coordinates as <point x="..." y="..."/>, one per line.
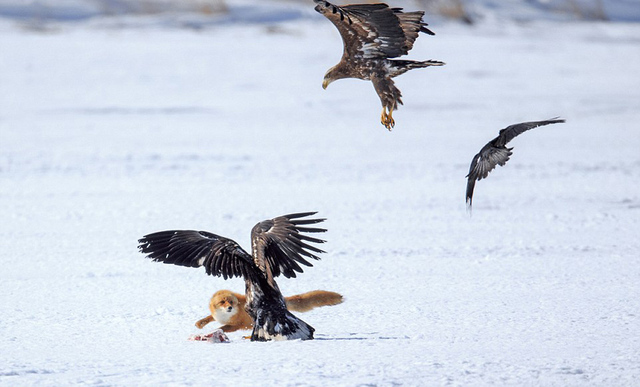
<point x="497" y="153"/>
<point x="372" y="34"/>
<point x="278" y="247"/>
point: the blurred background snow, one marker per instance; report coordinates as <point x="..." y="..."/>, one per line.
<point x="200" y="13"/>
<point x="124" y="117"/>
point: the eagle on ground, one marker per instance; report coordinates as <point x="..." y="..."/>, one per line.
<point x="496" y="153"/>
<point x="372" y="34"/>
<point x="278" y="247"/>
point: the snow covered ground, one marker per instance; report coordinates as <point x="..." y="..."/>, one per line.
<point x="107" y="134"/>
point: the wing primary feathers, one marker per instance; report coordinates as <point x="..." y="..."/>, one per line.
<point x="300" y="215"/>
<point x="510" y="132"/>
<point x="496" y="153"/>
<point x="308" y="238"/>
<point x="306" y="221"/>
<point x="374" y="34"/>
<point x="281" y="243"/>
<point x="278" y="248"/>
<point x="220" y="256"/>
<point x="311" y="229"/>
<point x="308" y="247"/>
<point x="426" y="30"/>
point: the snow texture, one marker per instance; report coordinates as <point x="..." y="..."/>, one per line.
<point x="110" y="133"/>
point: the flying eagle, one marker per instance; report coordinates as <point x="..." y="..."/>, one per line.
<point x="496" y="153"/>
<point x="373" y="33"/>
<point x="278" y="246"/>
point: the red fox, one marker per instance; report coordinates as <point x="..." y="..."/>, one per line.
<point x="227" y="307"/>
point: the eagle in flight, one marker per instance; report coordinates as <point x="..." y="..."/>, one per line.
<point x="496" y="153"/>
<point x="278" y="246"/>
<point x="372" y="34"/>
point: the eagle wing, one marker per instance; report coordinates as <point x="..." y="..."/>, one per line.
<point x="374" y="30"/>
<point x="281" y="244"/>
<point x="220" y="256"/>
<point x="510" y="132"/>
<point x="412" y="24"/>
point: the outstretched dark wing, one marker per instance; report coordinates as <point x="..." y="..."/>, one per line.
<point x="412" y="25"/>
<point x="496" y="153"/>
<point x="374" y="30"/>
<point x="281" y="243"/>
<point x="220" y="256"/>
<point x="483" y="163"/>
<point x="510" y="132"/>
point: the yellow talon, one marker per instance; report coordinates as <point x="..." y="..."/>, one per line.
<point x="386" y="119"/>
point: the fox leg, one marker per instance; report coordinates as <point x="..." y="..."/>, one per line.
<point x="204" y="321"/>
<point x="230" y="328"/>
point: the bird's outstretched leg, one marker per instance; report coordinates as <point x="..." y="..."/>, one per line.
<point x="387" y="119"/>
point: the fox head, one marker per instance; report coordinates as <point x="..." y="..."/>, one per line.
<point x="223" y="306"/>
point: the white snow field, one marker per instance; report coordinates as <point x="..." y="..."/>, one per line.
<point x="109" y="133"/>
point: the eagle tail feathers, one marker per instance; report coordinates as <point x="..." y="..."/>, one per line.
<point x="427" y="63"/>
<point x="280" y="326"/>
<point x="401" y="66"/>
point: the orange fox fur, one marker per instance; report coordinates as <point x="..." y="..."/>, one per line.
<point x="227" y="307"/>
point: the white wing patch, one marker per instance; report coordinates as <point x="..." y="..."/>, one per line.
<point x="370" y="49"/>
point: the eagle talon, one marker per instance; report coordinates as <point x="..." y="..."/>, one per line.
<point x="373" y="36"/>
<point x="277" y="245"/>
<point x="387" y="120"/>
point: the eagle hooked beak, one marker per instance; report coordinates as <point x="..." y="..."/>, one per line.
<point x="325" y="83"/>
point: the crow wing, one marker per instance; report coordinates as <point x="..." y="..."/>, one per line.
<point x="510" y="132"/>
<point x="220" y="256"/>
<point x="496" y="153"/>
<point x="281" y="244"/>
<point x="374" y="30"/>
<point x="483" y="163"/>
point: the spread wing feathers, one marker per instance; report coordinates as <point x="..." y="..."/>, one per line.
<point x="496" y="153"/>
<point x="374" y="30"/>
<point x="281" y="243"/>
<point x="510" y="132"/>
<point x="390" y="95"/>
<point x="412" y="24"/>
<point x="220" y="256"/>
<point x="483" y="163"/>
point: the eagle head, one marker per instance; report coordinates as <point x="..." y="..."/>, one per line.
<point x="334" y="73"/>
<point x="326" y="81"/>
